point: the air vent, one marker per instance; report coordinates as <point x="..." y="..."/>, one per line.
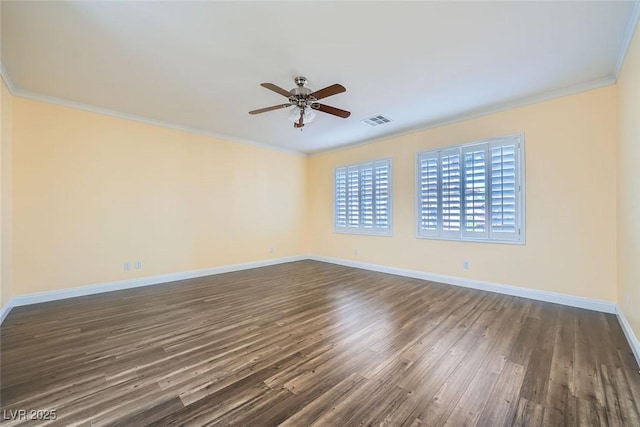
<point x="376" y="120"/>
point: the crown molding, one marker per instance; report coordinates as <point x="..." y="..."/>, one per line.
<point x="479" y="112"/>
<point x="132" y="117"/>
<point x="7" y="79"/>
<point x="633" y="24"/>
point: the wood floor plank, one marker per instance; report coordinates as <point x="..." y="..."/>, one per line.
<point x="325" y="402"/>
<point x="530" y="414"/>
<point x="311" y="343"/>
<point x="476" y="396"/>
<point x="504" y="399"/>
<point x="536" y="379"/>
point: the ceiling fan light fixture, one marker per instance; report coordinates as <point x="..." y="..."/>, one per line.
<point x="308" y="115"/>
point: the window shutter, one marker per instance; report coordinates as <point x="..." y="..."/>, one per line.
<point x="428" y="194"/>
<point x="450" y="192"/>
<point x="504" y="194"/>
<point x="475" y="192"/>
<point x="341" y="197"/>
<point x="366" y="197"/>
<point x="381" y="195"/>
<point x="472" y="192"/>
<point x="362" y="196"/>
<point x="353" y="197"/>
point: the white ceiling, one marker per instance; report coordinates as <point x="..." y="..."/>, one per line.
<point x="198" y="65"/>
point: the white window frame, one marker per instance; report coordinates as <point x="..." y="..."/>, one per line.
<point x="487" y="236"/>
<point x="360" y="229"/>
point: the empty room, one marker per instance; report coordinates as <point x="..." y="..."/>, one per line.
<point x="319" y="213"/>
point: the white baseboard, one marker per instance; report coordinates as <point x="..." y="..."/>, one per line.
<point x="569" y="300"/>
<point x="135" y="283"/>
<point x="4" y="311"/>
<point x="557" y="298"/>
<point x="553" y="297"/>
<point x="628" y="332"/>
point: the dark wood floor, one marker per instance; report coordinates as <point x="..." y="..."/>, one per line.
<point x="309" y="343"/>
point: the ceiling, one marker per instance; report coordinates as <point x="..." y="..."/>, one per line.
<point x="199" y="65"/>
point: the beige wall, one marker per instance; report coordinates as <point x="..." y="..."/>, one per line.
<point x="6" y="124"/>
<point x="570" y="200"/>
<point x="629" y="185"/>
<point x="91" y="192"/>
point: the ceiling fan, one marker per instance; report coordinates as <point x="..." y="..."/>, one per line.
<point x="305" y="101"/>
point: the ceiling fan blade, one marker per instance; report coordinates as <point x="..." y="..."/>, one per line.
<point x="276" y="89"/>
<point x="275" y="107"/>
<point x="331" y="110"/>
<point x="328" y="91"/>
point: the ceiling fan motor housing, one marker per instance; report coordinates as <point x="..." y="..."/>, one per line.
<point x="300" y="94"/>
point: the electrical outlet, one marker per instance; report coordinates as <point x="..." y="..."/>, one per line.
<point x="138" y="265"/>
<point x="465" y="264"/>
<point x="271" y="250"/>
<point x="127" y="266"/>
<point x="627" y="300"/>
<point x="355" y="252"/>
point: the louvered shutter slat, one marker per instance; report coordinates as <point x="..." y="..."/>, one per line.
<point x="366" y="197"/>
<point x="428" y="195"/>
<point x="382" y="196"/>
<point x="503" y="191"/>
<point x="450" y="193"/>
<point x="341" y="198"/>
<point x="475" y="192"/>
<point x="353" y="198"/>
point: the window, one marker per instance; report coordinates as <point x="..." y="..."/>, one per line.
<point x="362" y="202"/>
<point x="472" y="191"/>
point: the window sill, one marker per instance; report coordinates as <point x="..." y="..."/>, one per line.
<point x="365" y="233"/>
<point x="471" y="240"/>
